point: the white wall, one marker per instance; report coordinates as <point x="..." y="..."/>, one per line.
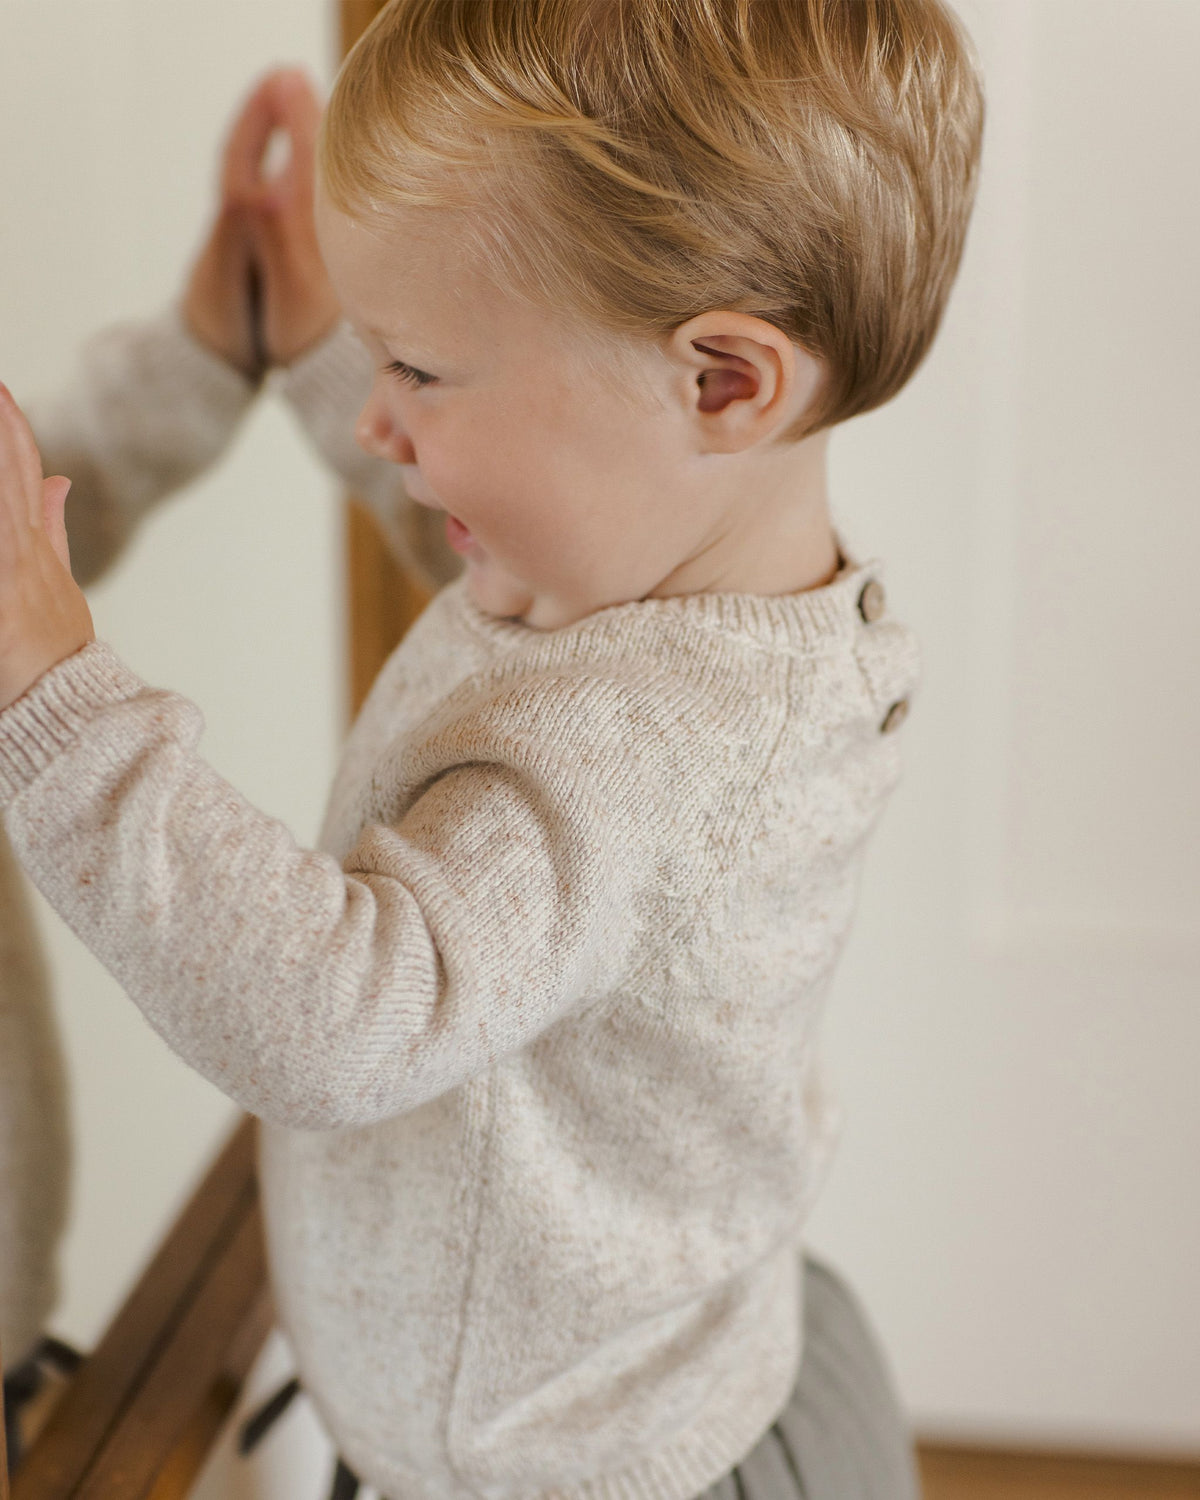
<point x="1015" y="1027"/>
<point x="1014" y="1030"/>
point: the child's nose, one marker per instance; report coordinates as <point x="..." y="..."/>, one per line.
<point x="378" y="435"/>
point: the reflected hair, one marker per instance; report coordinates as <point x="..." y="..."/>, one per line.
<point x="628" y="164"/>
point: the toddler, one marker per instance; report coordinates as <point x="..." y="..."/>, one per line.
<point x="532" y="1032"/>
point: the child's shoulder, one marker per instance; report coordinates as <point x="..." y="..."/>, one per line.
<point x="655" y="675"/>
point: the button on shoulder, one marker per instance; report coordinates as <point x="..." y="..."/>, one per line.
<point x="872" y="600"/>
<point x="894" y="717"/>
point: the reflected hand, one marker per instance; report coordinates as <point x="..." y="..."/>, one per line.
<point x="299" y="306"/>
<point x="44" y="617"/>
<point x="264" y="236"/>
<point x="218" y="306"/>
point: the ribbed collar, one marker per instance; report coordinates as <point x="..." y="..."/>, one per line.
<point x="799" y="622"/>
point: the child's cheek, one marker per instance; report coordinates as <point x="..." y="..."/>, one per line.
<point x="458" y="468"/>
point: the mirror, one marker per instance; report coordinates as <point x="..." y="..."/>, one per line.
<point x="229" y="592"/>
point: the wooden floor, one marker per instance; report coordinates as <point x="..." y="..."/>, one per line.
<point x="969" y="1474"/>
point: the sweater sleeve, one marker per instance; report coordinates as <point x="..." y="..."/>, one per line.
<point x="146" y="412"/>
<point x="327" y="388"/>
<point x="316" y="993"/>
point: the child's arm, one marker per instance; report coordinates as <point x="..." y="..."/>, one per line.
<point x="146" y="412"/>
<point x="155" y="403"/>
<point x="490" y="891"/>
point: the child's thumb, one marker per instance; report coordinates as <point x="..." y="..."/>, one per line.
<point x="54" y="499"/>
<point x="273" y="245"/>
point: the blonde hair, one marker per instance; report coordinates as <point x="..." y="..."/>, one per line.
<point x="631" y="163"/>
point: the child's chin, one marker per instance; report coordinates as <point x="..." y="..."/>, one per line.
<point x="494" y="591"/>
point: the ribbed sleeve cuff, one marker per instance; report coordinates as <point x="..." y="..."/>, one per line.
<point x="208" y="379"/>
<point x="319" y="380"/>
<point x="52" y="713"/>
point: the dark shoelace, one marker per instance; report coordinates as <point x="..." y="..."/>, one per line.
<point x="255" y="1429"/>
<point x="345" y="1482"/>
<point x="24" y="1382"/>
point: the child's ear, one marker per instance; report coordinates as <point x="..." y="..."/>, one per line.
<point x="741" y="377"/>
<point x="735" y="379"/>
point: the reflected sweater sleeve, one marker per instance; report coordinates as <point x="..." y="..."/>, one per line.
<point x="327" y="388"/>
<point x="147" y="411"/>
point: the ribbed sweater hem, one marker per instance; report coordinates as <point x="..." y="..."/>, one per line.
<point x="686" y="1469"/>
<point x="696" y="1460"/>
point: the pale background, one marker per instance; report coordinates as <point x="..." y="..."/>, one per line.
<point x="1014" y="1029"/>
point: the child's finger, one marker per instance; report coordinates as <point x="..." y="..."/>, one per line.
<point x="272" y="248"/>
<point x="241" y="178"/>
<point x="20" y="461"/>
<point x="297" y="111"/>
<point x="297" y="105"/>
<point x="283" y="100"/>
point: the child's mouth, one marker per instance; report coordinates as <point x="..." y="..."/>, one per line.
<point x="457" y="534"/>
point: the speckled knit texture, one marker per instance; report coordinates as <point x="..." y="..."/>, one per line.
<point x="532" y="1031"/>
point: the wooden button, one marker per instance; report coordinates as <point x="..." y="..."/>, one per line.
<point x="872" y="600"/>
<point x="894" y="717"/>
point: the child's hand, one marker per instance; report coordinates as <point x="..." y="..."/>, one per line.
<point x="218" y="307"/>
<point x="44" y="617"/>
<point x="299" y="305"/>
<point x="264" y="228"/>
<point x="218" y="303"/>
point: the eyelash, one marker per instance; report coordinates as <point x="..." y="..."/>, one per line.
<point x="407" y="372"/>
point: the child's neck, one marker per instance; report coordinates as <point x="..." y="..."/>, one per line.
<point x="779" y="538"/>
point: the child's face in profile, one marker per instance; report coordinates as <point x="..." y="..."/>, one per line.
<point x="574" y="498"/>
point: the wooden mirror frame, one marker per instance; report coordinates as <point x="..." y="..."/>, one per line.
<point x="382" y="600"/>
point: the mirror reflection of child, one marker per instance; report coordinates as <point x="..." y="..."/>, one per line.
<point x="532" y="1031"/>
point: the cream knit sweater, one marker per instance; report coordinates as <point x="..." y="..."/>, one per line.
<point x="532" y="1031"/>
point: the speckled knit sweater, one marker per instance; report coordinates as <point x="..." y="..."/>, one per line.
<point x="532" y="1030"/>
